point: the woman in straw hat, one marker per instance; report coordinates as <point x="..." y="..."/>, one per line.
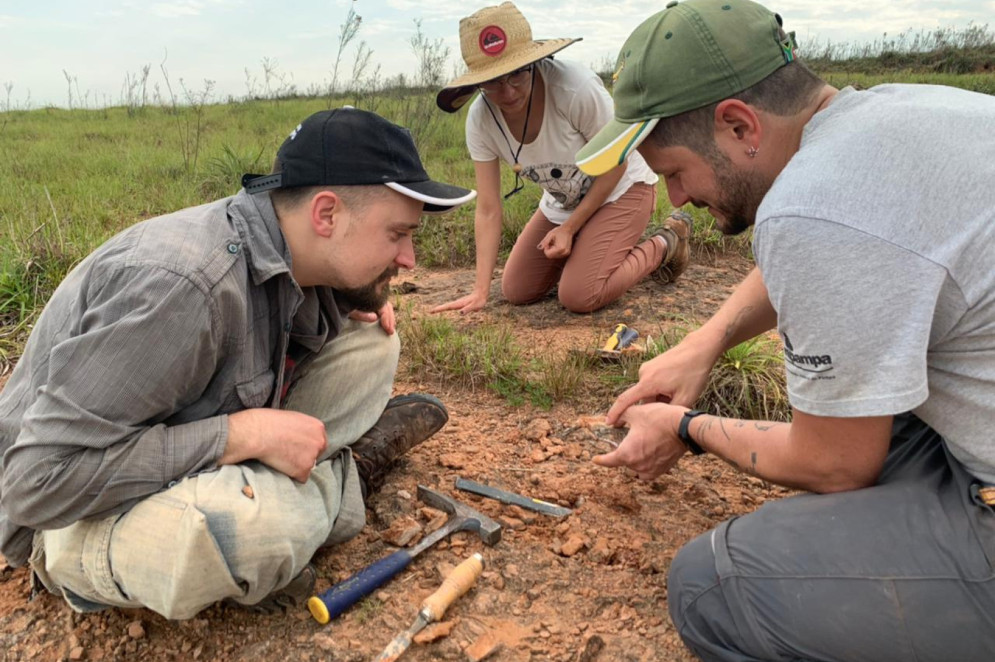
<point x="534" y="113"/>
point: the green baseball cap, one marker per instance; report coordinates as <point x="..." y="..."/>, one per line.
<point x="687" y="56"/>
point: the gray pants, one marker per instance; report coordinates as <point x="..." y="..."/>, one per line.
<point x="206" y="538"/>
<point x="899" y="571"/>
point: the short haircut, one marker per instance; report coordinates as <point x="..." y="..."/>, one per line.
<point x="784" y="93"/>
<point x="355" y="197"/>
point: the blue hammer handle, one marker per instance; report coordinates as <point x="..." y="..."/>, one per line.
<point x="349" y="591"/>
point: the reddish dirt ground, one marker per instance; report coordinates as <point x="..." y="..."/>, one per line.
<point x="589" y="586"/>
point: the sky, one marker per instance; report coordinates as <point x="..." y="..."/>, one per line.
<point x="95" y="47"/>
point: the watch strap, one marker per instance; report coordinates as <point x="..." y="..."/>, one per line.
<point x="685" y="434"/>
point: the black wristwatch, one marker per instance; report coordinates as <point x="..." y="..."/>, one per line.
<point x="685" y="435"/>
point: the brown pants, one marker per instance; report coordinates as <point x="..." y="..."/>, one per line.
<point x="604" y="262"/>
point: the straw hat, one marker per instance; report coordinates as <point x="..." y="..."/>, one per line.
<point x="494" y="41"/>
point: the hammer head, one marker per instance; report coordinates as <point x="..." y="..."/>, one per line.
<point x="466" y="517"/>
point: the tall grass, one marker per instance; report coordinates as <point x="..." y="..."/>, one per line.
<point x="70" y="179"/>
<point x="942" y="50"/>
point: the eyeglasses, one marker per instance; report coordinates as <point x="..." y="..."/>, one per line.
<point x="516" y="79"/>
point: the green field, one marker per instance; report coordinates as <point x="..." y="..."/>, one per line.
<point x="69" y="179"/>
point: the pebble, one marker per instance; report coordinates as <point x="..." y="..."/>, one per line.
<point x="434" y="631"/>
<point x="325" y="642"/>
<point x="247" y="491"/>
<point x="76" y="653"/>
<point x="537" y="429"/>
<point x="512" y="523"/>
<point x="483" y="647"/>
<point x="402" y="531"/>
<point x="136" y="630"/>
<point x="575" y="544"/>
<point x="601" y="552"/>
<point x="436" y="523"/>
<point x="452" y="460"/>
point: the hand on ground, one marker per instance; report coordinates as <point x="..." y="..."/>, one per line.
<point x="466" y="304"/>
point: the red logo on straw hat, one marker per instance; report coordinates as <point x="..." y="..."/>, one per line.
<point x="492" y="40"/>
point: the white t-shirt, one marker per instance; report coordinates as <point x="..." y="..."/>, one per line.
<point x="877" y="247"/>
<point x="577" y="106"/>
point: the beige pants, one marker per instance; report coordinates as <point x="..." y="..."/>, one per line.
<point x="203" y="539"/>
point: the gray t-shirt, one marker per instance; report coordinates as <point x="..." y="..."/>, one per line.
<point x="877" y="247"/>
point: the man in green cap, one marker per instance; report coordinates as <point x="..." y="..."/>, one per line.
<point x="874" y="237"/>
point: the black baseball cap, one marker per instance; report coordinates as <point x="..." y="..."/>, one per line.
<point x="352" y="147"/>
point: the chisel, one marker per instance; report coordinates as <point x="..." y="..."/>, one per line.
<point x="434" y="607"/>
<point x="505" y="496"/>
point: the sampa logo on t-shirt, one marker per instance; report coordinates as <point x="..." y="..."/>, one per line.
<point x="492" y="40"/>
<point x="807" y="362"/>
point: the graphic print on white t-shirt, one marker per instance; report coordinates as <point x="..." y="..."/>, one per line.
<point x="564" y="181"/>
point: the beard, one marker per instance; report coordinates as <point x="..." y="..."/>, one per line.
<point x="741" y="193"/>
<point x="371" y="297"/>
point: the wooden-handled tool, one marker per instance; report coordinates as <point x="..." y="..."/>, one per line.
<point x="434" y="607"/>
<point x="337" y="599"/>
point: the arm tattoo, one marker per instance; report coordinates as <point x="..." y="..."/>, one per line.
<point x="722" y="427"/>
<point x="753" y="463"/>
<point x="764" y="427"/>
<point x="734" y="325"/>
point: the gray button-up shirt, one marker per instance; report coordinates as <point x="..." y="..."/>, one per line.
<point x="129" y="375"/>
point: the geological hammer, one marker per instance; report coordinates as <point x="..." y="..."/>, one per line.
<point x="337" y="599"/>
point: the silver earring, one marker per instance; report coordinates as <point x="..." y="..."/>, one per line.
<point x="753" y="151"/>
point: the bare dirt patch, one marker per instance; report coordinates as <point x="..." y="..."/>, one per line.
<point x="590" y="586"/>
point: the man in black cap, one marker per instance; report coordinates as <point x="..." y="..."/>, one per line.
<point x="205" y="400"/>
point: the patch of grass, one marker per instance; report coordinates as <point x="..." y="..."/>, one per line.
<point x="747" y="381"/>
<point x="367" y="609"/>
<point x="517" y="390"/>
<point x="472" y="358"/>
<point x="31" y="267"/>
<point x="562" y="378"/>
<point x="488" y="356"/>
<point x="226" y="169"/>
